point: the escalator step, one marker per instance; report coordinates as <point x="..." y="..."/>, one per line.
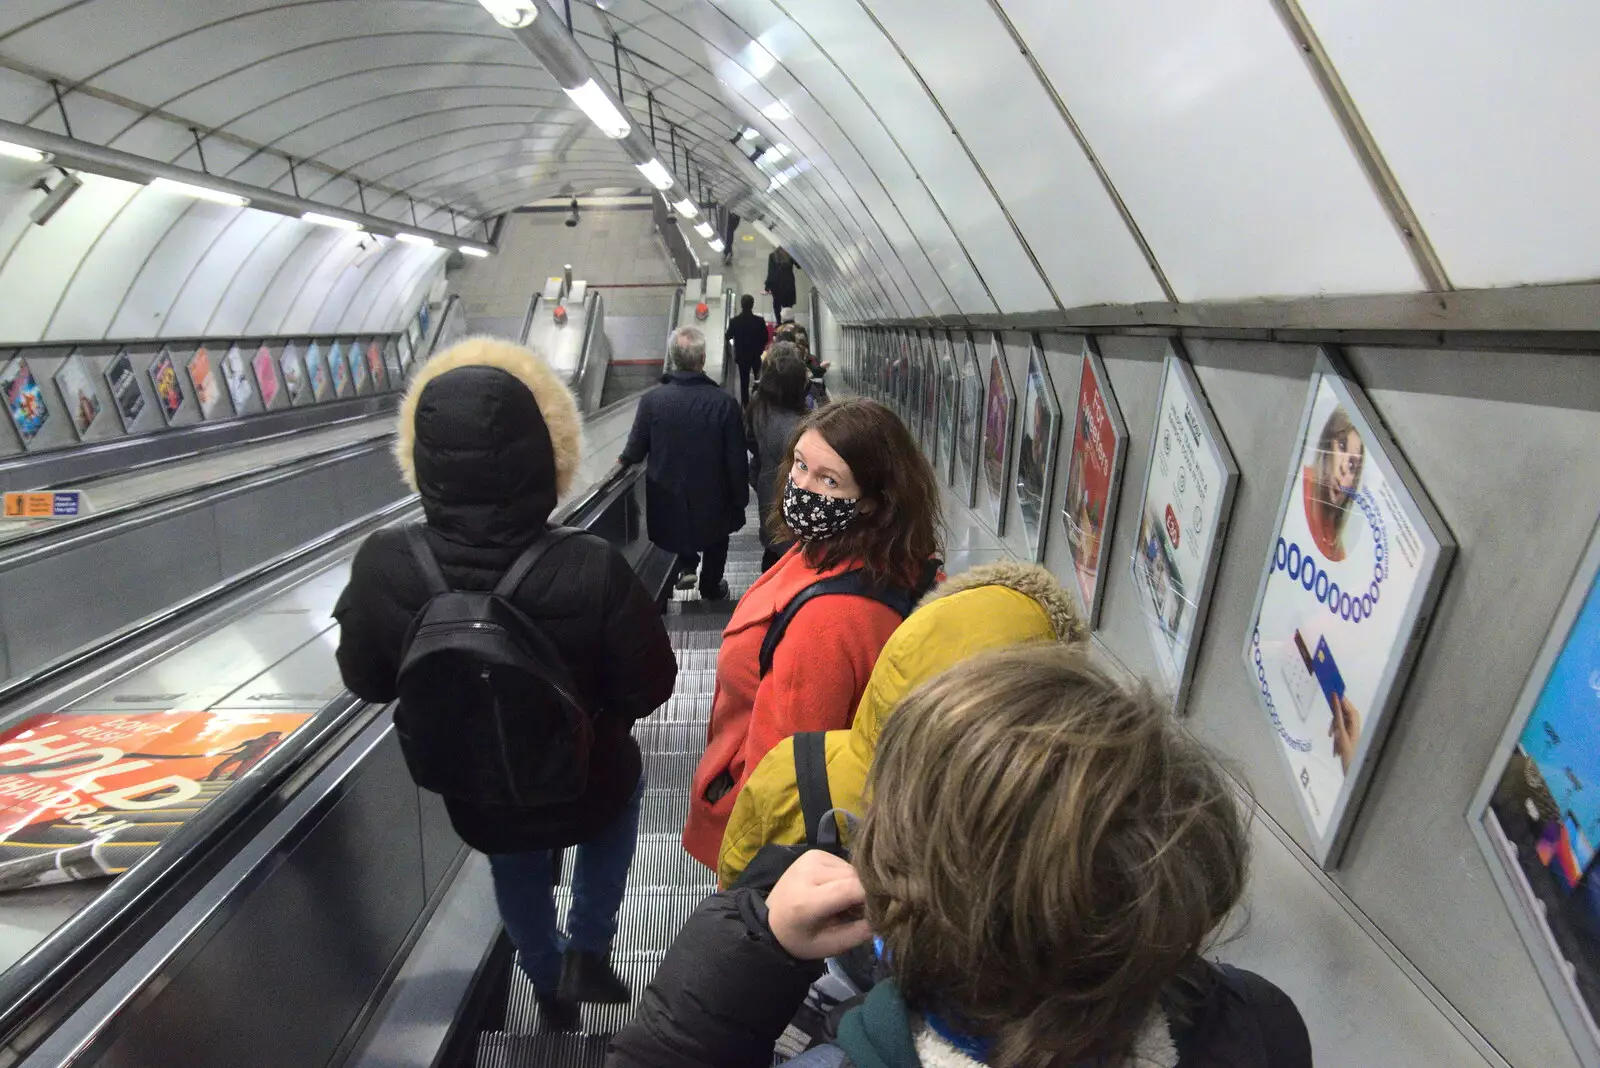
<point x="496" y="1049"/>
<point x="600" y="1021"/>
<point x="670" y="771"/>
<point x="659" y="863"/>
<point x="697" y="659"/>
<point x="683" y="637"/>
<point x="685" y="708"/>
<point x="663" y="811"/>
<point x="696" y="682"/>
<point x="661" y="736"/>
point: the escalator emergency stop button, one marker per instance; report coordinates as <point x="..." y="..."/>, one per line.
<point x="701" y="311"/>
<point x="560" y="315"/>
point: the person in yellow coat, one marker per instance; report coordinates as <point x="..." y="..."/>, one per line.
<point x="987" y="607"/>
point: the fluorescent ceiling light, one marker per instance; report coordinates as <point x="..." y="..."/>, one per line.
<point x="758" y="61"/>
<point x="330" y="220"/>
<point x="199" y="192"/>
<point x="656" y="174"/>
<point x="717" y="245"/>
<point x="413" y="239"/>
<point x="601" y="111"/>
<point x="22" y="152"/>
<point x="772" y="155"/>
<point x="777" y="112"/>
<point x="704" y="230"/>
<point x="750" y="134"/>
<point x="780" y="179"/>
<point x="512" y="14"/>
<point x="474" y="250"/>
<point x="686" y="208"/>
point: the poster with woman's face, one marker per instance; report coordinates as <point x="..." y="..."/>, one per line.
<point x="967" y="441"/>
<point x="1094" y="474"/>
<point x="1355" y="556"/>
<point x="1188" y="493"/>
<point x="999" y="409"/>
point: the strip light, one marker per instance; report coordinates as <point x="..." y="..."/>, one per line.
<point x="22" y="152"/>
<point x="330" y="220"/>
<point x="656" y="174"/>
<point x="474" y="250"/>
<point x="601" y="111"/>
<point x="716" y="244"/>
<point x="413" y="239"/>
<point x="704" y="230"/>
<point x="199" y="192"/>
<point x="686" y="208"/>
<point x="512" y="14"/>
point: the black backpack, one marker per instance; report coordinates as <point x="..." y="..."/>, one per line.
<point x="488" y="711"/>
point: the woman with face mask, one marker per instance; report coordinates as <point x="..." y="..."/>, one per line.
<point x="861" y="504"/>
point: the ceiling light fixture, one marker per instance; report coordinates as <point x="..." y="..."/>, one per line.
<point x="686" y="208"/>
<point x="512" y="14"/>
<point x="716" y="244"/>
<point x="413" y="239"/>
<point x="601" y="111"/>
<point x="777" y="112"/>
<point x="474" y="250"/>
<point x="704" y="230"/>
<point x="330" y="220"/>
<point x="750" y="134"/>
<point x="199" y="192"/>
<point x="23" y="152"/>
<point x="656" y="174"/>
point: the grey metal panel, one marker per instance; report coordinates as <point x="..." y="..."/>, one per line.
<point x="269" y="520"/>
<point x="282" y="980"/>
<point x="440" y="843"/>
<point x="367" y="482"/>
<point x="59" y="602"/>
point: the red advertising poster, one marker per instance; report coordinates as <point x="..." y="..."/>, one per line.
<point x="85" y="796"/>
<point x="1092" y="482"/>
<point x="266" y="376"/>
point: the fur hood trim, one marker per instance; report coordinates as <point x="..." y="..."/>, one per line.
<point x="1031" y="581"/>
<point x="1153" y="1048"/>
<point x="555" y="401"/>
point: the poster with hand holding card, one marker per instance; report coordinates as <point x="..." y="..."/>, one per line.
<point x="1350" y="584"/>
<point x="1184" y="509"/>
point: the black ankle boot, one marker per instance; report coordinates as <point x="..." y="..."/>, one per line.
<point x="589" y="977"/>
<point x="556" y="1014"/>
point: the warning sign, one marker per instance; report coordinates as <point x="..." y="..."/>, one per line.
<point x="68" y="504"/>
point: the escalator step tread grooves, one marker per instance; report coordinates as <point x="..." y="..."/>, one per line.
<point x="665" y="884"/>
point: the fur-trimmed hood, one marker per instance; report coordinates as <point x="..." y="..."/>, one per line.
<point x="1031" y="581"/>
<point x="489" y="436"/>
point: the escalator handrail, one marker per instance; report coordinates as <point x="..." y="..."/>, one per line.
<point x="30" y="984"/>
<point x="451" y="302"/>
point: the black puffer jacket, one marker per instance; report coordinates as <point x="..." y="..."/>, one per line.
<point x="770" y="436"/>
<point x="726" y="990"/>
<point x="697" y="482"/>
<point x="489" y="437"/>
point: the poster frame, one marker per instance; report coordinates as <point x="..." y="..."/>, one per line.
<point x="949" y="375"/>
<point x="1036" y="358"/>
<point x="1584" y="1037"/>
<point x="1222" y="456"/>
<point x="168" y="412"/>
<point x="999" y="500"/>
<point x="19" y="360"/>
<point x="970" y="348"/>
<point x="930" y="394"/>
<point x="1096" y="367"/>
<point x="75" y="363"/>
<point x="914" y="370"/>
<point x="128" y="421"/>
<point x="1379" y="449"/>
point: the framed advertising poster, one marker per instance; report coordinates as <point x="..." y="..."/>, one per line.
<point x="1537" y="813"/>
<point x="1184" y="510"/>
<point x="1036" y="459"/>
<point x="125" y="391"/>
<point x="338" y="370"/>
<point x="266" y="375"/>
<point x="949" y="409"/>
<point x="1348" y="589"/>
<point x="391" y="361"/>
<point x="24" y="399"/>
<point x="968" y="438"/>
<point x="380" y="380"/>
<point x="1094" y="481"/>
<point x="294" y="374"/>
<point x="999" y="426"/>
<point x="358" y="367"/>
<point x="915" y="362"/>
<point x="930" y="393"/>
<point x="78" y="394"/>
<point x="207" y="394"/>
<point x="237" y="374"/>
<point x="164" y="379"/>
<point x="317" y="376"/>
<point x="403" y="347"/>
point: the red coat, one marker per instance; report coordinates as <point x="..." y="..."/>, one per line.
<point x="819" y="672"/>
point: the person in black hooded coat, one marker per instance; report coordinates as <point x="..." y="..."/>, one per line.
<point x="489" y="437"/>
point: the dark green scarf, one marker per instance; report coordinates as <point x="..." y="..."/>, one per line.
<point x="877" y="1033"/>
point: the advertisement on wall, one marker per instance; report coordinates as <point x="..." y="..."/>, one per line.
<point x="85" y="796"/>
<point x="125" y="391"/>
<point x="294" y="373"/>
<point x="164" y="379"/>
<point x="970" y="441"/>
<point x="266" y="375"/>
<point x="203" y="377"/>
<point x="917" y="363"/>
<point x="1350" y="582"/>
<point x="1183" y="514"/>
<point x="237" y="373"/>
<point x="338" y="370"/>
<point x="949" y="405"/>
<point x="375" y="365"/>
<point x="358" y="366"/>
<point x="1537" y="813"/>
<point x="78" y="393"/>
<point x="1036" y="457"/>
<point x="1094" y="481"/>
<point x="930" y="393"/>
<point x="317" y="372"/>
<point x="24" y="399"/>
<point x="999" y="423"/>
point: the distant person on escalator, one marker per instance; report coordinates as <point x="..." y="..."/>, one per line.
<point x="489" y="437"/>
<point x="727" y="237"/>
<point x="862" y="502"/>
<point x="747" y="333"/>
<point x="780" y="281"/>
<point x="770" y="424"/>
<point x="697" y="485"/>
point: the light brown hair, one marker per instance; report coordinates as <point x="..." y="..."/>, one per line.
<point x="1045" y="851"/>
<point x="896" y="530"/>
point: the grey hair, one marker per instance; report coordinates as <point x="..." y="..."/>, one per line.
<point x="688" y="349"/>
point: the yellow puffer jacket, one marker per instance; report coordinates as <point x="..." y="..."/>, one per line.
<point x="987" y="607"/>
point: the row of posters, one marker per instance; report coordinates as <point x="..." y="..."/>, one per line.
<point x="222" y="386"/>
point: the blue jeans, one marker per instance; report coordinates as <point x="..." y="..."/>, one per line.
<point x="524" y="889"/>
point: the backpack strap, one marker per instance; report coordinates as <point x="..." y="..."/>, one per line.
<point x="899" y="598"/>
<point x="523" y="565"/>
<point x="811" y="776"/>
<point x="422" y="552"/>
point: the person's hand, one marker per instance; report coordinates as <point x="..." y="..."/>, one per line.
<point x="1345" y="730"/>
<point x="815" y="911"/>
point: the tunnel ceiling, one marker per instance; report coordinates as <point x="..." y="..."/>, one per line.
<point x="930" y="157"/>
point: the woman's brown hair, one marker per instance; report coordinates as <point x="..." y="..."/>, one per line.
<point x="1045" y="851"/>
<point x="896" y="530"/>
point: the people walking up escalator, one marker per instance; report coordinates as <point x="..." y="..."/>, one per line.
<point x="747" y="333"/>
<point x="489" y="437"/>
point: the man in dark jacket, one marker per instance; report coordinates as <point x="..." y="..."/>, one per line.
<point x="780" y="281"/>
<point x="747" y="331"/>
<point x="697" y="484"/>
<point x="489" y="437"/>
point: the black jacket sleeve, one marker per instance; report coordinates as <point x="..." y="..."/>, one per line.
<point x="640" y="667"/>
<point x="1244" y="1020"/>
<point x="722" y="996"/>
<point x="638" y="446"/>
<point x="736" y="456"/>
<point x="369" y="650"/>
